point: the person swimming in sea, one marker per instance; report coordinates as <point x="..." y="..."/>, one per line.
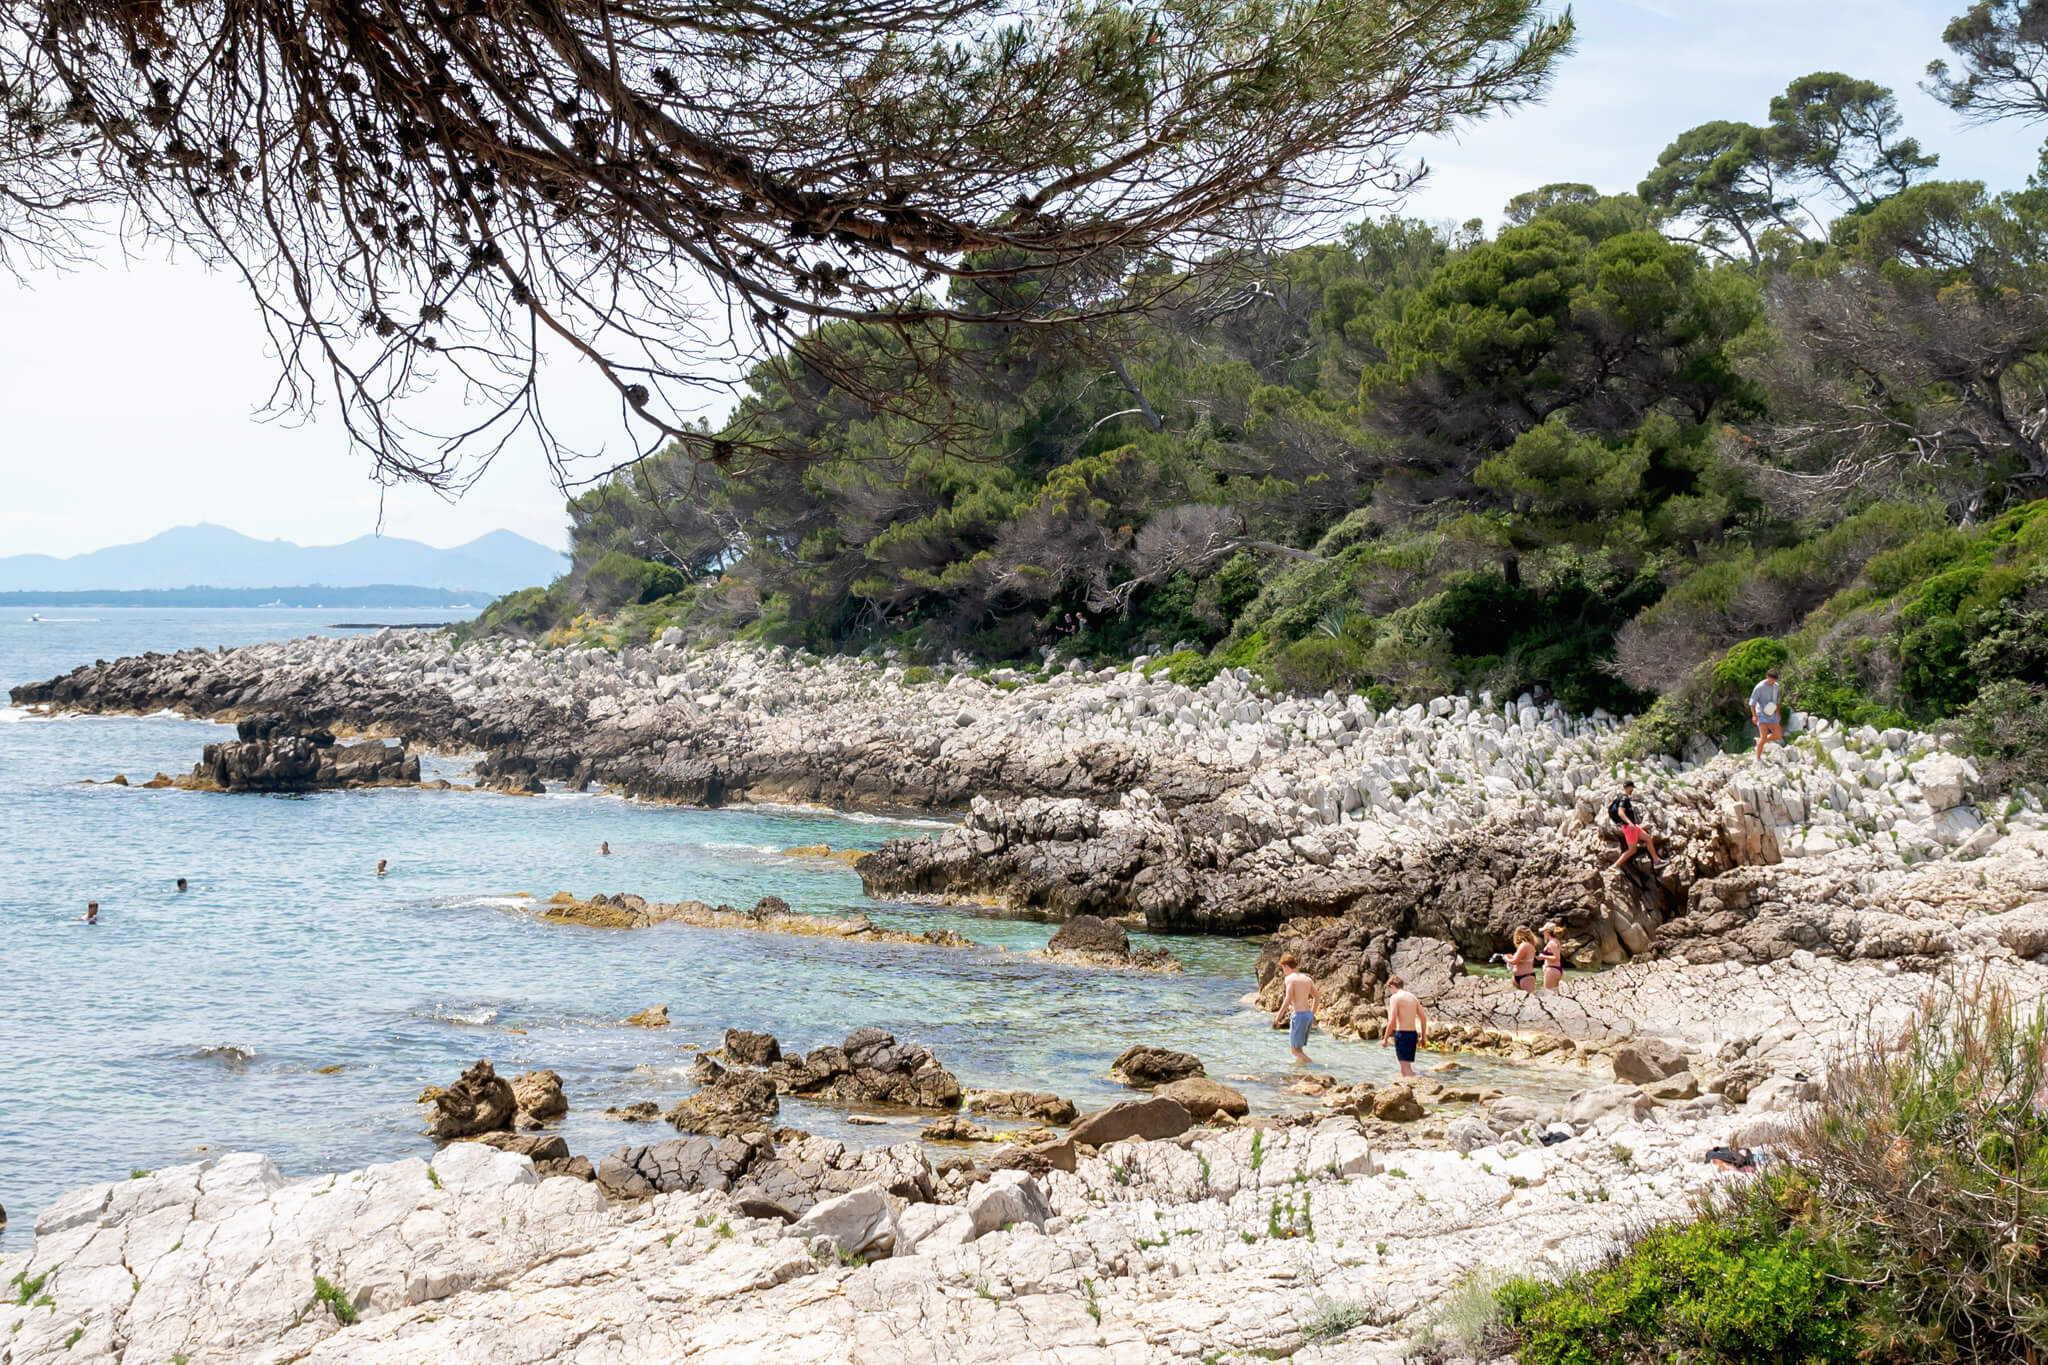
<point x="380" y="867"/>
<point x="604" y="848"/>
<point x="92" y="912"/>
<point x="183" y="885"/>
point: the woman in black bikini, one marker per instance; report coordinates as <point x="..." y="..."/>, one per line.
<point x="1523" y="962"/>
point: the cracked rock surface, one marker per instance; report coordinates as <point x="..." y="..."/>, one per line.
<point x="1149" y="1252"/>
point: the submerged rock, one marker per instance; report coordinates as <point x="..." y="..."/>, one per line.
<point x="1145" y="1067"/>
<point x="654" y="1016"/>
<point x="639" y="1111"/>
<point x="1088" y="941"/>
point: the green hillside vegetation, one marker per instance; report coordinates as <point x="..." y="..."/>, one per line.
<point x="1627" y="450"/>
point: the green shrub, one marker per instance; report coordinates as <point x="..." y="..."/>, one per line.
<point x="917" y="675"/>
<point x="1731" y="1289"/>
<point x="1928" y="1156"/>
<point x="1246" y="653"/>
<point x="1318" y="663"/>
<point x="1188" y="668"/>
<point x="337" y="1300"/>
<point x="1744" y="666"/>
<point x="528" y="614"/>
<point x="1826" y="688"/>
<point x="2006" y="727"/>
<point x="1909" y="1227"/>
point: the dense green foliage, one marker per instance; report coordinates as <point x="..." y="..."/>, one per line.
<point x="1626" y="451"/>
<point x="1741" y="1289"/>
<point x="1907" y="1229"/>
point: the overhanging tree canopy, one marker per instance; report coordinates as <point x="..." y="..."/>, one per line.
<point x="415" y="188"/>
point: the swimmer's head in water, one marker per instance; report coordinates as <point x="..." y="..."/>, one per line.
<point x="92" y="911"/>
<point x="380" y="865"/>
<point x="182" y="886"/>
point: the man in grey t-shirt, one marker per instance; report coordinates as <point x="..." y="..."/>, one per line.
<point x="1765" y="710"/>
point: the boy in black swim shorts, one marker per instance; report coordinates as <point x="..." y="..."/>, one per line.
<point x="1407" y="1024"/>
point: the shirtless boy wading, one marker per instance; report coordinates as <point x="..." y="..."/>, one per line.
<point x="1297" y="1005"/>
<point x="1407" y="1025"/>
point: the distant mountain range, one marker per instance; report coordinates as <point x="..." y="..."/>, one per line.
<point x="215" y="557"/>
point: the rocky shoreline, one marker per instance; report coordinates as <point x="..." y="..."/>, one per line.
<point x="1330" y="1232"/>
<point x="1115" y="794"/>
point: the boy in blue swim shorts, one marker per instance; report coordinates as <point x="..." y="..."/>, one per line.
<point x="1297" y="1005"/>
<point x="1407" y="1025"/>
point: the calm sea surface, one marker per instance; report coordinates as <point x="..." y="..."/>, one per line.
<point x="213" y="1021"/>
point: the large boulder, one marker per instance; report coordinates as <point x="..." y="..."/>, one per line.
<point x="293" y="763"/>
<point x="1007" y="1198"/>
<point x="751" y="1049"/>
<point x="737" y="1102"/>
<point x="1396" y="1104"/>
<point x="859" y="1223"/>
<point x="280" y="725"/>
<point x="540" y="1098"/>
<point x="799" y="1173"/>
<point x="1145" y="1067"/>
<point x="1429" y="966"/>
<point x="1090" y="936"/>
<point x="681" y="1165"/>
<point x="480" y="1102"/>
<point x="1590" y="1106"/>
<point x="1204" y="1098"/>
<point x="1642" y="1060"/>
<point x="1037" y="1158"/>
<point x="871" y="1067"/>
<point x="537" y="1147"/>
<point x="1023" y="1104"/>
<point x="1151" y="1119"/>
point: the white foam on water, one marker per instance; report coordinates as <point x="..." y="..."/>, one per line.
<point x="476" y="1017"/>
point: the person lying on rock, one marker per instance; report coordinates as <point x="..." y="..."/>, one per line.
<point x="1622" y="811"/>
<point x="1522" y="962"/>
<point x="1766" y="712"/>
<point x="1552" y="957"/>
<point x="1298" y="1000"/>
<point x="1407" y="1024"/>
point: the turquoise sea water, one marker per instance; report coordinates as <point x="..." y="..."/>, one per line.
<point x="207" y="1021"/>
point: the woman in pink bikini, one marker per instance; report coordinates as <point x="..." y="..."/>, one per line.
<point x="1552" y="957"/>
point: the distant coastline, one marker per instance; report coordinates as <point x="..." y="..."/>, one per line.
<point x="382" y="596"/>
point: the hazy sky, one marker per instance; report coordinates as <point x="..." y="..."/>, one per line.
<point x="127" y="391"/>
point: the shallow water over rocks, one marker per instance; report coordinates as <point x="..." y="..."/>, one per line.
<point x="295" y="1003"/>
